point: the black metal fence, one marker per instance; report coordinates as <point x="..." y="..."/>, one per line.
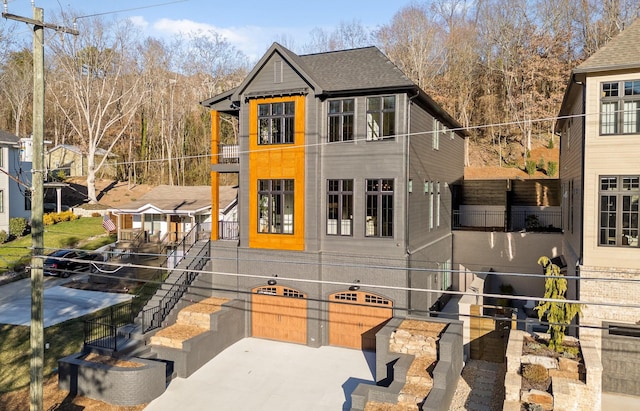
<point x="516" y="220"/>
<point x="102" y="331"/>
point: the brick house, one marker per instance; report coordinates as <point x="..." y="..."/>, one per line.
<point x="600" y="177"/>
<point x="345" y="170"/>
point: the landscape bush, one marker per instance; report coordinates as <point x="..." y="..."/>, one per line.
<point x="552" y="168"/>
<point x="53" y="218"/>
<point x="17" y="226"/>
<point x="530" y="167"/>
<point x="3" y="236"/>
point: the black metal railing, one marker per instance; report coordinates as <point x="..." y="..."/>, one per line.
<point x="102" y="331"/>
<point x="228" y="230"/>
<point x="153" y="317"/>
<point x="518" y="220"/>
<point x="146" y="291"/>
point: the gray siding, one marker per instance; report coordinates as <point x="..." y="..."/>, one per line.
<point x="267" y="80"/>
<point x="444" y="165"/>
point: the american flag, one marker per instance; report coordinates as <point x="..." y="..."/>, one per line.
<point x="108" y="224"/>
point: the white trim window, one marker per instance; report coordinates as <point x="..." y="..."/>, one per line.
<point x="620" y="107"/>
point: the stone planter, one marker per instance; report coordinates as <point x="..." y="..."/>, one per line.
<point x="572" y="388"/>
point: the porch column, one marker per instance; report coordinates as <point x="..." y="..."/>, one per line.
<point x="215" y="178"/>
<point x="59" y="199"/>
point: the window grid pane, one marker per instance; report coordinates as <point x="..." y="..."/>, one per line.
<point x="379" y="209"/>
<point x="276" y="123"/>
<point x="275" y="206"/>
<point x="381" y="114"/>
<point x="619" y="211"/>
<point x="339" y="207"/>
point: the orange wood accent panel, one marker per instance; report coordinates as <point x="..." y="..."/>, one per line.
<point x="276" y="317"/>
<point x="215" y="176"/>
<point x="353" y="324"/>
<point x="277" y="161"/>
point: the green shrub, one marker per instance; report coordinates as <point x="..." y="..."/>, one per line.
<point x="551" y="144"/>
<point x="540" y="165"/>
<point x="535" y="373"/>
<point x="552" y="168"/>
<point x="3" y="236"/>
<point x="530" y="167"/>
<point x="17" y="226"/>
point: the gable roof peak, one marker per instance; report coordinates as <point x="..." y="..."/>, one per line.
<point x="621" y="52"/>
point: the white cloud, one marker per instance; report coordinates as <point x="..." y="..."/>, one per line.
<point x="139" y="21"/>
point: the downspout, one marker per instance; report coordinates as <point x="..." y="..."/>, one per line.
<point x="406" y="206"/>
<point x="584" y="135"/>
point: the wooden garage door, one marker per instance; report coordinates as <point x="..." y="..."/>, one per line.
<point x="279" y="313"/>
<point x="355" y="318"/>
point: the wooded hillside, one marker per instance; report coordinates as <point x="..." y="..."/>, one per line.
<point x="499" y="67"/>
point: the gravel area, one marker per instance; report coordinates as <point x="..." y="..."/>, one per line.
<point x="481" y="387"/>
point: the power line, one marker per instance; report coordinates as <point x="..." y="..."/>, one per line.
<point x="130" y="9"/>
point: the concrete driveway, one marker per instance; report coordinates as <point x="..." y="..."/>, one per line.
<point x="60" y="303"/>
<point x="255" y="374"/>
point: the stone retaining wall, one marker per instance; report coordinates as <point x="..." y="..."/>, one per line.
<point x="568" y="393"/>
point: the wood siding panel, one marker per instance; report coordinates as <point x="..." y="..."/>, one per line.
<point x="484" y="192"/>
<point x="543" y="193"/>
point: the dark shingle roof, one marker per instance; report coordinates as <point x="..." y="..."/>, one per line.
<point x="356" y="69"/>
<point x="8" y="138"/>
<point x="623" y="51"/>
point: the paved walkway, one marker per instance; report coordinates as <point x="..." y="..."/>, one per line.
<point x="255" y="374"/>
<point x="60" y="303"/>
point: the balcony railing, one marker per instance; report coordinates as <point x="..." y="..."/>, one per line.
<point x="490" y="220"/>
<point x="228" y="230"/>
<point x="228" y="154"/>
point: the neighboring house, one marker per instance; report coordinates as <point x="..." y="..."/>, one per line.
<point x="72" y="161"/>
<point x="345" y="175"/>
<point x="15" y="180"/>
<point x="600" y="174"/>
<point x="165" y="214"/>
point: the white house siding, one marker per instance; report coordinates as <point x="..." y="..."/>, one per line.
<point x="605" y="155"/>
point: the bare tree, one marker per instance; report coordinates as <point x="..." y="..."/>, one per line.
<point x="16" y="83"/>
<point x="347" y="35"/>
<point x="98" y="88"/>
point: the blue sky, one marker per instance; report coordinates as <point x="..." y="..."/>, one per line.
<point x="250" y="25"/>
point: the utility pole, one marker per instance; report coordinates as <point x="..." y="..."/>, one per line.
<point x="37" y="205"/>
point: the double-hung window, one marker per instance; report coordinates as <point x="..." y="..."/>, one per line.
<point x="341" y="120"/>
<point x="275" y="123"/>
<point x="619" y="198"/>
<point x="379" y="215"/>
<point x="381" y="118"/>
<point x="620" y="107"/>
<point x="339" y="207"/>
<point x="275" y="206"/>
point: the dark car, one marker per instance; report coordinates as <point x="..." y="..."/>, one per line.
<point x="62" y="267"/>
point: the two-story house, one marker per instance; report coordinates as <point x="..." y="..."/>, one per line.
<point x="344" y="203"/>
<point x="15" y="180"/>
<point x="600" y="176"/>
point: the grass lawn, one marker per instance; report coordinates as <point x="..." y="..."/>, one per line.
<point x="86" y="233"/>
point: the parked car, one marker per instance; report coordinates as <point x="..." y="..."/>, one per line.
<point x="60" y="266"/>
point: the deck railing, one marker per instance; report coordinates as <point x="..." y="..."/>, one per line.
<point x="518" y="220"/>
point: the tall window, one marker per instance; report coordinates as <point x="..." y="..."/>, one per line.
<point x="1" y="201"/>
<point x="620" y="107"/>
<point x="341" y="120"/>
<point x="275" y="123"/>
<point x="27" y="199"/>
<point x="381" y="117"/>
<point x="275" y="206"/>
<point x="445" y="284"/>
<point x="379" y="218"/>
<point x="619" y="197"/>
<point x="339" y="207"/>
<point x="438" y="128"/>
